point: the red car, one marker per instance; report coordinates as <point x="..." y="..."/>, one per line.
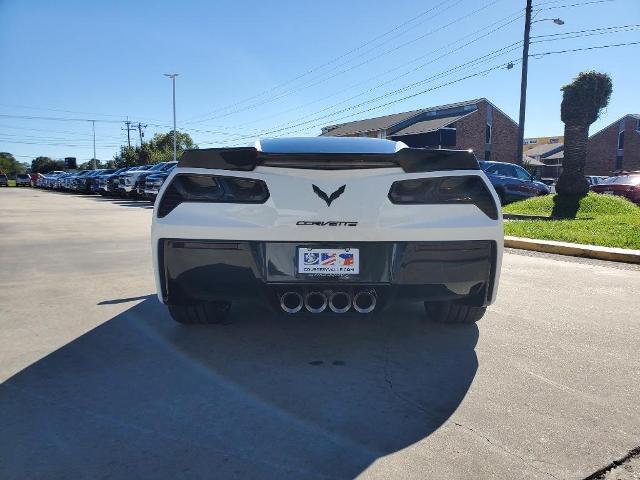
<point x="625" y="185"/>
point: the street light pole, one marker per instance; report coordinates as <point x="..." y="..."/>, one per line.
<point x="525" y="73"/>
<point x="93" y="125"/>
<point x="523" y="81"/>
<point x="173" y="76"/>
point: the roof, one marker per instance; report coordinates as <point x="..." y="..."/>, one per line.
<point x="388" y="121"/>
<point x="531" y="161"/>
<point x="328" y="145"/>
<point x="426" y="126"/>
<point x="545" y="150"/>
<point x="556" y="156"/>
<point x="632" y="115"/>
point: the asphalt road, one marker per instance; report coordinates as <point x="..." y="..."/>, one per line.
<point x="99" y="382"/>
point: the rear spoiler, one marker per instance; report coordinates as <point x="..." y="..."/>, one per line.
<point x="411" y="160"/>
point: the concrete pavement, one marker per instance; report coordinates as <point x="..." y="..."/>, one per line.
<point x="98" y="381"/>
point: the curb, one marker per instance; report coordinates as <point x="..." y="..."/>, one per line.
<point x="574" y="249"/>
<point x="518" y="216"/>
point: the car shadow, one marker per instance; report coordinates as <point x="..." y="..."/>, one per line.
<point x="262" y="396"/>
<point x="121" y="201"/>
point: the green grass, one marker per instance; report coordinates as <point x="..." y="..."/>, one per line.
<point x="12" y="183"/>
<point x="599" y="220"/>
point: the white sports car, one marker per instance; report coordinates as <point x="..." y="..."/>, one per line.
<point x="327" y="225"/>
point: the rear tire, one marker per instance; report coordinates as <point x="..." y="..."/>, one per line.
<point x="452" y="312"/>
<point x="200" y="313"/>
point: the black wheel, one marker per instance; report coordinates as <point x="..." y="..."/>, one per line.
<point x="502" y="197"/>
<point x="200" y="313"/>
<point x="452" y="312"/>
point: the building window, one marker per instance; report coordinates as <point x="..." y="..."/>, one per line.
<point x="447" y="137"/>
<point x="619" y="162"/>
<point x="487" y="134"/>
<point x="621" y="140"/>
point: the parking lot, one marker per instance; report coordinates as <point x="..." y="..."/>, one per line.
<point x="99" y="382"/>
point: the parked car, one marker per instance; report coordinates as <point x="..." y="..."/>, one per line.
<point x="62" y="182"/>
<point x="123" y="184"/>
<point x="626" y="185"/>
<point x="512" y="182"/>
<point x="75" y="179"/>
<point x="23" y="180"/>
<point x="84" y="183"/>
<point x="97" y="181"/>
<point x="141" y="182"/>
<point x="153" y="183"/>
<point x="35" y="178"/>
<point x="595" y="179"/>
<point x="105" y="180"/>
<point x="4" y="180"/>
<point x="50" y="178"/>
<point x="298" y="221"/>
<point x="129" y="180"/>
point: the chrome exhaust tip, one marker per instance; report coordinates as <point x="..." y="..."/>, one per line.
<point x="364" y="301"/>
<point x="291" y="302"/>
<point x="339" y="302"/>
<point x="315" y="302"/>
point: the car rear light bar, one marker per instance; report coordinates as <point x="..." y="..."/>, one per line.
<point x="463" y="189"/>
<point x="195" y="188"/>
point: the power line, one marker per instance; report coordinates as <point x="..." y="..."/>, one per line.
<point x="597" y="47"/>
<point x="483" y="72"/>
<point x="586" y="31"/>
<point x="408" y="72"/>
<point x="351" y="67"/>
<point x="330" y="62"/>
<point x="579" y="4"/>
<point x="515" y="45"/>
<point x="464" y="66"/>
<point x="319" y="79"/>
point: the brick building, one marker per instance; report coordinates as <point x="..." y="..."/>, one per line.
<point x="550" y="156"/>
<point x="474" y="124"/>
<point x="616" y="147"/>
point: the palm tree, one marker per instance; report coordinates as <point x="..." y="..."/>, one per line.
<point x="582" y="101"/>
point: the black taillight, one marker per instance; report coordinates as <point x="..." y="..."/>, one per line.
<point x="211" y="189"/>
<point x="468" y="189"/>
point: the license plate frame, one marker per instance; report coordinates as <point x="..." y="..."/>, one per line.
<point x="317" y="261"/>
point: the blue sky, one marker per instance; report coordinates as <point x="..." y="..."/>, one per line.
<point x="287" y="67"/>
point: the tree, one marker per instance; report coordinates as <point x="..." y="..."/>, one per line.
<point x="161" y="146"/>
<point x="582" y="101"/>
<point x="128" y="157"/>
<point x="44" y="165"/>
<point x="88" y="165"/>
<point x="9" y="164"/>
<point x="158" y="149"/>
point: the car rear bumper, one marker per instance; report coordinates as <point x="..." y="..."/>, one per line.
<point x="208" y="270"/>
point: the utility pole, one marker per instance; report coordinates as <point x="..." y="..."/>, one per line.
<point x="523" y="82"/>
<point x="93" y="125"/>
<point x="128" y="128"/>
<point x="140" y="127"/>
<point x="173" y="76"/>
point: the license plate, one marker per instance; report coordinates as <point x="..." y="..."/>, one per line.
<point x="329" y="261"/>
<point x="608" y="192"/>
